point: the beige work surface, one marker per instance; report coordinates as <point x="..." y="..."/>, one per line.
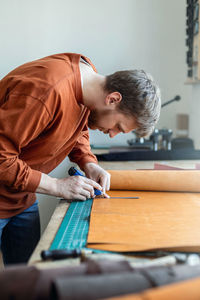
<point x="49" y="234"/>
<point x="61" y="209"/>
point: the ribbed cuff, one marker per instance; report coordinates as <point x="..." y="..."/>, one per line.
<point x="87" y="160"/>
<point x="33" y="181"/>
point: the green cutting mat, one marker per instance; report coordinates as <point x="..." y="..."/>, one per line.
<point x="73" y="231"/>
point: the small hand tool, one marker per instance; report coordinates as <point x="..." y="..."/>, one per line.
<point x="60" y="254"/>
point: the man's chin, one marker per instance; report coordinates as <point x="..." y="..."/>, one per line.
<point x="92" y="127"/>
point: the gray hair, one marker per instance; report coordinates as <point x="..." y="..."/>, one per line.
<point x="140" y="97"/>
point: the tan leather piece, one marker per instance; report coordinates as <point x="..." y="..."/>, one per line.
<point x="129" y="248"/>
<point x="156" y="180"/>
<point x="158" y="166"/>
<point x="127" y="297"/>
<point x="186" y="290"/>
<point x="157" y="220"/>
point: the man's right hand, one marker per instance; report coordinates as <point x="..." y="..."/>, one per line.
<point x="70" y="188"/>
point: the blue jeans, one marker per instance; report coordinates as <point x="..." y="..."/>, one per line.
<point x="19" y="235"/>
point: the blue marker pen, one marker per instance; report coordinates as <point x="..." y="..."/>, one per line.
<point x="74" y="172"/>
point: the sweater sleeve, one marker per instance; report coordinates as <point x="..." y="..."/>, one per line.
<point x="22" y="119"/>
<point x="81" y="153"/>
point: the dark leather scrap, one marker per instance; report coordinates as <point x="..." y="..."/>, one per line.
<point x="17" y="283"/>
<point x="171" y="274"/>
<point x="98" y="286"/>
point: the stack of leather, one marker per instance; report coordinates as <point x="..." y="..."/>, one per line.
<point x="90" y="280"/>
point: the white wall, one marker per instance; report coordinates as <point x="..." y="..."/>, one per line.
<point x="115" y="34"/>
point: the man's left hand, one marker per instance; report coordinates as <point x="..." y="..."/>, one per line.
<point x="98" y="174"/>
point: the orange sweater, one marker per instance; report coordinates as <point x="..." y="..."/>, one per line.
<point x="42" y="120"/>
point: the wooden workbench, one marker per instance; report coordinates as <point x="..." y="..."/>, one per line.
<point x="62" y="207"/>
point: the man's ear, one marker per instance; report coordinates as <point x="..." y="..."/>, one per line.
<point x="113" y="98"/>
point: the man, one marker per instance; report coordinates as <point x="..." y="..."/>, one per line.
<point x="46" y="107"/>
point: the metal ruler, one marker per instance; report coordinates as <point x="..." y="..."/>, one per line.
<point x="73" y="231"/>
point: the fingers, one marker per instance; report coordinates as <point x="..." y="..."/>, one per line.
<point x="82" y="188"/>
<point x="105" y="182"/>
<point x="78" y="188"/>
<point x="106" y="195"/>
<point x="93" y="183"/>
<point x="87" y="191"/>
<point x="98" y="174"/>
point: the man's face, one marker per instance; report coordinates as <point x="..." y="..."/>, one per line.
<point x="111" y="122"/>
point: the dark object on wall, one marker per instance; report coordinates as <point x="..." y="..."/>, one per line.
<point x="190" y="36"/>
<point x="192" y="41"/>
